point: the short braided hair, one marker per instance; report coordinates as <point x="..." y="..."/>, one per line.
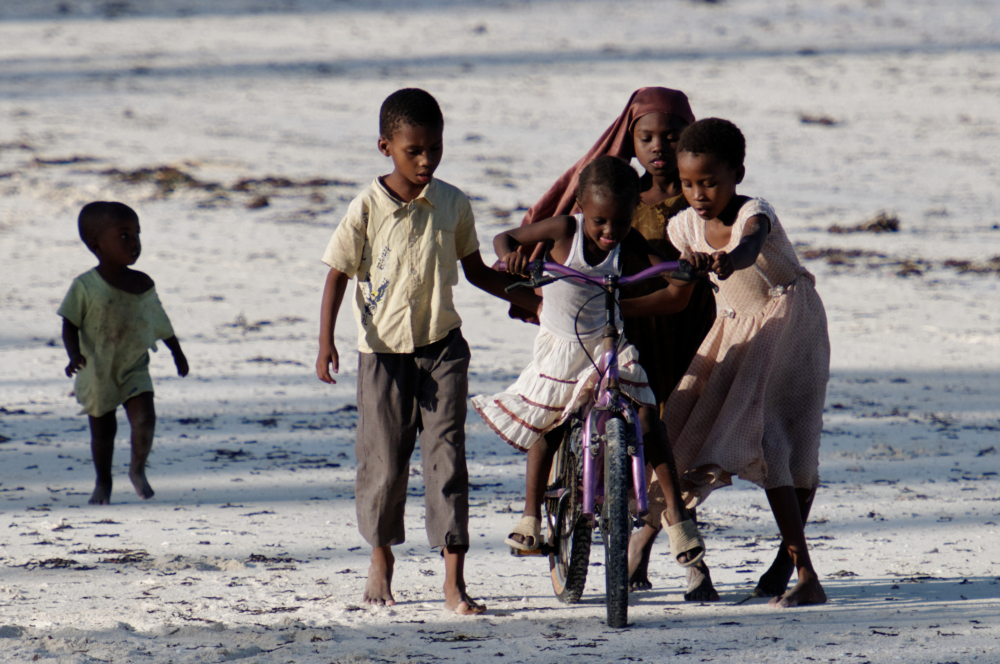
<point x="612" y="175"/>
<point x="411" y="106"/>
<point x="717" y="137"/>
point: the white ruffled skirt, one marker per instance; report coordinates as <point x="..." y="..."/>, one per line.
<point x="559" y="380"/>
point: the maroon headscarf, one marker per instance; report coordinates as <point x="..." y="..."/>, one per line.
<point x="616" y="141"/>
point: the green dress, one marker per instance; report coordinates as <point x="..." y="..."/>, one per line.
<point x="117" y="329"/>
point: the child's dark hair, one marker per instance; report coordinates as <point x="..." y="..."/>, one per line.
<point x="411" y="106"/>
<point x="612" y="175"/>
<point x="717" y="137"/>
<point x="95" y="215"/>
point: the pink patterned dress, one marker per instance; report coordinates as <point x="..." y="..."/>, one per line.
<point x="751" y="403"/>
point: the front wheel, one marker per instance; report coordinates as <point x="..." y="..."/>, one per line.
<point x="618" y="523"/>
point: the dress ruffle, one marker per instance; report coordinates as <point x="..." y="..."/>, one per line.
<point x="559" y="380"/>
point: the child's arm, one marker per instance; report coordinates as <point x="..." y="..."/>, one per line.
<point x="557" y="231"/>
<point x="71" y="340"/>
<point x="745" y="254"/>
<point x="175" y="347"/>
<point x="333" y="297"/>
<point x="667" y="300"/>
<point x="494" y="283"/>
<point x="635" y="242"/>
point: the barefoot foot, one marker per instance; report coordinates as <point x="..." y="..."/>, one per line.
<point x="458" y="600"/>
<point x="700" y="588"/>
<point x="101" y="495"/>
<point x="142" y="488"/>
<point x="640" y="545"/>
<point x="774" y="582"/>
<point x="378" y="590"/>
<point x="803" y="593"/>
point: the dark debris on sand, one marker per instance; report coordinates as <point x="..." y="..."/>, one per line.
<point x="825" y="120"/>
<point x="904" y="267"/>
<point x="883" y="222"/>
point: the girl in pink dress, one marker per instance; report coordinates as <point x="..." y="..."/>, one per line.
<point x="751" y="402"/>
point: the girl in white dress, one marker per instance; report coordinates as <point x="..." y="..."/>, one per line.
<point x="561" y="376"/>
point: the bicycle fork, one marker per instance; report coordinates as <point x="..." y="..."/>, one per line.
<point x="610" y="403"/>
<point x="593" y="458"/>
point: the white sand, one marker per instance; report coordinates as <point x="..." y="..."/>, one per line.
<point x="249" y="550"/>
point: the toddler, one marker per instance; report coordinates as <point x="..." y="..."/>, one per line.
<point x="111" y="317"/>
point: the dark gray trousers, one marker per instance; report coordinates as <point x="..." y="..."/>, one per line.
<point x="399" y="396"/>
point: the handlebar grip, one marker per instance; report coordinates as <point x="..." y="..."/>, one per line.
<point x="530" y="283"/>
<point x="513" y="287"/>
<point x="544" y="281"/>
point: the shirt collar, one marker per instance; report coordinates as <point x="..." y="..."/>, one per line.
<point x="429" y="193"/>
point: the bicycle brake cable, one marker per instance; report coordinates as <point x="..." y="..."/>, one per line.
<point x="576" y="329"/>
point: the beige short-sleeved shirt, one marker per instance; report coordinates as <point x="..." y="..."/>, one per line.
<point x="405" y="257"/>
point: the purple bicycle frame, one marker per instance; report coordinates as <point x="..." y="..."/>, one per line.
<point x="599" y="410"/>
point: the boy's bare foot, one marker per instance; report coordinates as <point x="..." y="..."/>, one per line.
<point x="101" y="495"/>
<point x="804" y="593"/>
<point x="142" y="488"/>
<point x="700" y="588"/>
<point x="378" y="590"/>
<point x="457" y="600"/>
<point x="774" y="582"/>
<point x="455" y="597"/>
<point x="640" y="545"/>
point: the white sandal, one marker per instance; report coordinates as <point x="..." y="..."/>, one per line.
<point x="684" y="538"/>
<point x="529" y="528"/>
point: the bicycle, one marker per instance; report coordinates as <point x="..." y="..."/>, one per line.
<point x="606" y="436"/>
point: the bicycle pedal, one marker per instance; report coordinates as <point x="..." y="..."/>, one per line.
<point x="541" y="551"/>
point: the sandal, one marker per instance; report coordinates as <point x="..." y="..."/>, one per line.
<point x="530" y="529"/>
<point x="684" y="538"/>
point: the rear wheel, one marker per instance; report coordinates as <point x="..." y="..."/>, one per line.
<point x="570" y="540"/>
<point x="617" y="521"/>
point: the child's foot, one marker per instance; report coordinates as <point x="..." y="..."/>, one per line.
<point x="774" y="581"/>
<point x="639" y="547"/>
<point x="458" y="600"/>
<point x="700" y="588"/>
<point x="803" y="594"/>
<point x="527" y="534"/>
<point x="101" y="495"/>
<point x="142" y="488"/>
<point x="378" y="590"/>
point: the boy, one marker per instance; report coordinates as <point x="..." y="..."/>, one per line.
<point x="111" y="317"/>
<point x="403" y="238"/>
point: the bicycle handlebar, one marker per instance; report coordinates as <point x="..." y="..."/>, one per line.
<point x="680" y="270"/>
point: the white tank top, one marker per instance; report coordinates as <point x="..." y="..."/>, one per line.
<point x="563" y="298"/>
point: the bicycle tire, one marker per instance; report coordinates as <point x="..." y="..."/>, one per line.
<point x="570" y="559"/>
<point x="617" y="520"/>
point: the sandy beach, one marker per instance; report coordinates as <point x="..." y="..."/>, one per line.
<point x="240" y="129"/>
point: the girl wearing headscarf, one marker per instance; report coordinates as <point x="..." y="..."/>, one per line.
<point x="647" y="130"/>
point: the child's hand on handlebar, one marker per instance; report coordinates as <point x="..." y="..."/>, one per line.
<point x="722" y="264"/>
<point x="515" y="263"/>
<point x="701" y="263"/>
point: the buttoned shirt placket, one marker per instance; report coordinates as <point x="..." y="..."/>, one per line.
<point x="412" y="256"/>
